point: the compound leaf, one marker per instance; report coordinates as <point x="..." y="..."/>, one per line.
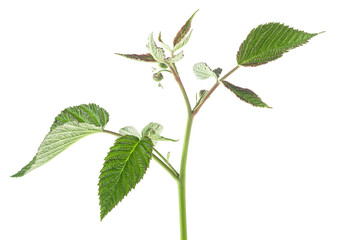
<point x="69" y="126"/>
<point x="245" y="95"/>
<point x="269" y="42"/>
<point x="124" y="167"/>
<point x="183" y="31"/>
<point x="139" y="57"/>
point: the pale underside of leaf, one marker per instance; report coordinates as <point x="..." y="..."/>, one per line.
<point x="245" y="95"/>
<point x="165" y="46"/>
<point x="130" y="130"/>
<point x="153" y="131"/>
<point x="139" y="57"/>
<point x="177" y="57"/>
<point x="203" y="71"/>
<point x="269" y="42"/>
<point x="156" y="52"/>
<point x="124" y="167"/>
<point x="84" y="113"/>
<point x="56" y="141"/>
<point x="183" y="42"/>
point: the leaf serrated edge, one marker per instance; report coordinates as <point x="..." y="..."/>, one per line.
<point x="147" y="57"/>
<point x="184" y="30"/>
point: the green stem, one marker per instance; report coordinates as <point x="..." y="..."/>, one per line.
<point x="213" y="89"/>
<point x="182" y="177"/>
<point x="172" y="172"/>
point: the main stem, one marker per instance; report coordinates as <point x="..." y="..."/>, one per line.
<point x="182" y="177"/>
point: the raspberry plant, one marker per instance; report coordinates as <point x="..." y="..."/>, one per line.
<point x="128" y="159"/>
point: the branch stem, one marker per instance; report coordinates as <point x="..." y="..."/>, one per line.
<point x="166" y="162"/>
<point x="172" y="172"/>
<point x="213" y="89"/>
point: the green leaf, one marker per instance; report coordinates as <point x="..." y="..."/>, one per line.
<point x="124" y="167"/>
<point x="139" y="57"/>
<point x="245" y="95"/>
<point x="69" y="126"/>
<point x="184" y="30"/>
<point x="153" y="131"/>
<point x="129" y="130"/>
<point x="84" y="113"/>
<point x="182" y="43"/>
<point x="156" y="52"/>
<point x="203" y="71"/>
<point x="56" y="141"/>
<point x="269" y="42"/>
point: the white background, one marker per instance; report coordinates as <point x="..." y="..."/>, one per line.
<point x="267" y="174"/>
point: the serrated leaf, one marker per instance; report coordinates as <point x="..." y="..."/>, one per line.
<point x="269" y="42"/>
<point x="156" y="52"/>
<point x="183" y="42"/>
<point x="165" y="46"/>
<point x="124" y="167"/>
<point x="69" y="126"/>
<point x="153" y="131"/>
<point x="184" y="30"/>
<point x="203" y="71"/>
<point x="84" y="113"/>
<point x="245" y="95"/>
<point x="139" y="57"/>
<point x="129" y="130"/>
<point x="56" y="141"/>
<point x="177" y="57"/>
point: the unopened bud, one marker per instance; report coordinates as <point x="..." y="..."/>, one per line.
<point x="158" y="77"/>
<point x="202" y="93"/>
<point x="163" y="65"/>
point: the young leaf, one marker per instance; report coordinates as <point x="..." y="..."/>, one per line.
<point x="139" y="57"/>
<point x="269" y="42"/>
<point x="184" y="30"/>
<point x="156" y="52"/>
<point x="182" y="43"/>
<point x="177" y="57"/>
<point x="69" y="126"/>
<point x="56" y="141"/>
<point x="203" y="71"/>
<point x="153" y="131"/>
<point x="246" y="95"/>
<point x="124" y="167"/>
<point x="166" y="47"/>
<point x="129" y="130"/>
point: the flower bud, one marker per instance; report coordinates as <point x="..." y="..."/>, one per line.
<point x="158" y="77"/>
<point x="163" y="65"/>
